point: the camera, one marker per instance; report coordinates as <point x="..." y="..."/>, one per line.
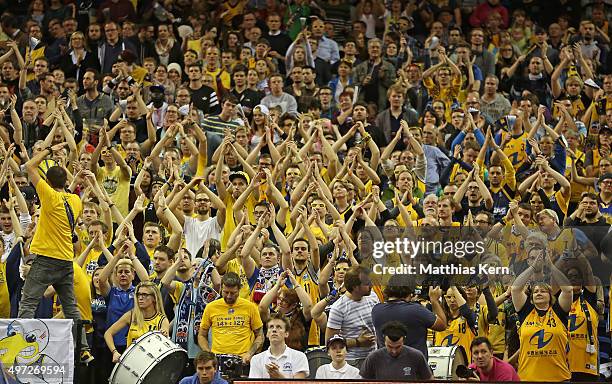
<point x="464" y="372"/>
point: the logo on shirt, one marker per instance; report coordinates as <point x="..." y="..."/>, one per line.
<point x="450" y="340"/>
<point x="572" y="323"/>
<point x="540" y="339"/>
<point x="407" y="371"/>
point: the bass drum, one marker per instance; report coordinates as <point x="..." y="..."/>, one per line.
<point x="151" y="359"/>
<point x="443" y="361"/>
<point x="317" y="357"/>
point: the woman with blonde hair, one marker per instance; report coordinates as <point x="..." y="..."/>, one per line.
<point x="148" y="315"/>
<point x="79" y="58"/>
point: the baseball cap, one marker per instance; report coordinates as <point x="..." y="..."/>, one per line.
<point x="334" y="338"/>
<point x="605" y="177"/>
<point x="241" y="174"/>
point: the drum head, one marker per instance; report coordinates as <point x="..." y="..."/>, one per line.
<point x="168" y="370"/>
<point x="316" y="358"/>
<point x="459" y="358"/>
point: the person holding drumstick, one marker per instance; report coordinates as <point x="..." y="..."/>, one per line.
<point x="461" y="321"/>
<point x="544" y="335"/>
<point x="148" y="315"/>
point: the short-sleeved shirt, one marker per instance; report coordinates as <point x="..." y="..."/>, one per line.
<point x="119" y="302"/>
<point x="416" y="317"/>
<point x="197" y="232"/>
<point x="351" y="318"/>
<point x="232" y="325"/>
<point x="53" y="236"/>
<point x="328" y="372"/>
<point x="409" y="365"/>
<point x="290" y="362"/>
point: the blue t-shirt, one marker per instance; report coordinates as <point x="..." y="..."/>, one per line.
<point x="119" y="302"/>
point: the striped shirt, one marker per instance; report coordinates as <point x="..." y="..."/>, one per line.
<point x="214" y="124"/>
<point x="351" y="318"/>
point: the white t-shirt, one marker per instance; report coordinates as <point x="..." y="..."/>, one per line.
<point x="197" y="232"/>
<point x="291" y="362"/>
<point x="348" y="372"/>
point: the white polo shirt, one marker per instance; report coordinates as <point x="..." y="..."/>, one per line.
<point x="347" y="372"/>
<point x="290" y="362"/>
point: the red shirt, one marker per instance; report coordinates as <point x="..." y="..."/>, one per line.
<point x="501" y="371"/>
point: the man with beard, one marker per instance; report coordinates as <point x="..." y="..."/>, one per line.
<point x="396" y="361"/>
<point x="473" y="195"/>
<point x="589" y="219"/>
<point x="203" y="226"/>
<point x="502" y="177"/>
<point x="279" y="361"/>
<point x="159" y="106"/>
<point x="264" y="277"/>
<point x="115" y="175"/>
<point x="589" y="46"/>
<point x="351" y="315"/>
<point x="236" y="325"/>
<point x="605" y="196"/>
<point x="93" y="105"/>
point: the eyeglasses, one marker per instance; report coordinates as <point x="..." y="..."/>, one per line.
<point x="482" y="222"/>
<point x="142" y="295"/>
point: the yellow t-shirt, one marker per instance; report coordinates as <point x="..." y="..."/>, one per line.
<point x="580" y="360"/>
<point x="495" y="332"/>
<point x="152" y="324"/>
<point x="5" y="301"/>
<point x="230" y="221"/>
<point x="457" y="333"/>
<point x="543" y="352"/>
<point x="516" y="149"/>
<point x="91" y="262"/>
<point x="225" y="78"/>
<point x="449" y="95"/>
<point x="311" y="286"/>
<point x="232" y="325"/>
<point x="117" y="186"/>
<point x="53" y="236"/>
<point x="235" y="266"/>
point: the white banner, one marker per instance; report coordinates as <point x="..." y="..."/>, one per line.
<point x="36" y="351"/>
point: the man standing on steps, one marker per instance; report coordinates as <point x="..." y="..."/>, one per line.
<point x="52" y="243"/>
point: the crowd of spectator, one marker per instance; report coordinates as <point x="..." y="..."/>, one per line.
<point x="215" y="170"/>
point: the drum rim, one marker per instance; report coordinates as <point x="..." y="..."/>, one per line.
<point x="174" y="348"/>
